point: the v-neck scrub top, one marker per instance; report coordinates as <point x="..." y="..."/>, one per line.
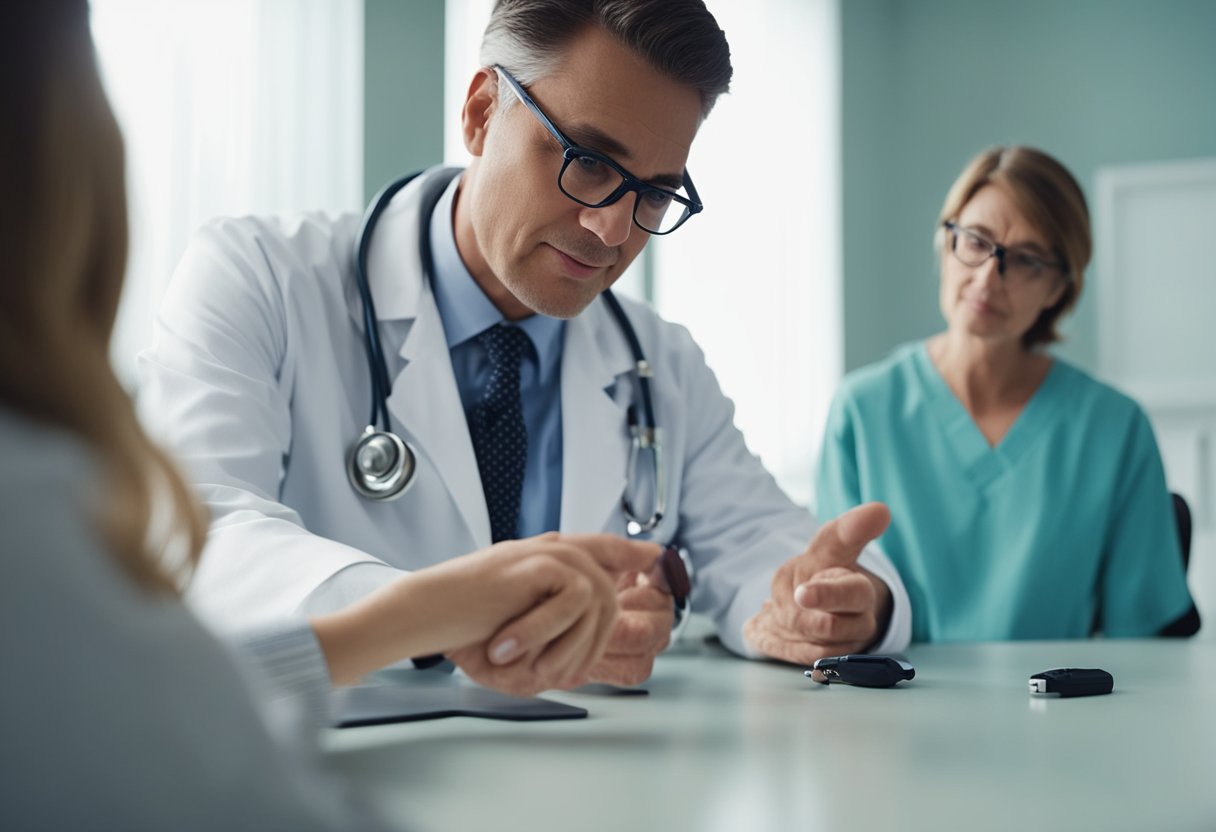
<point x="1067" y="517"/>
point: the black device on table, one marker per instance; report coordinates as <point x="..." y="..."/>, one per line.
<point x="862" y="670"/>
<point x="1072" y="681"/>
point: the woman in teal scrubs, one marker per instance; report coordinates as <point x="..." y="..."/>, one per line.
<point x="1028" y="499"/>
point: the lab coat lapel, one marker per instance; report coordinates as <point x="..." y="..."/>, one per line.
<point x="595" y="443"/>
<point x="425" y="401"/>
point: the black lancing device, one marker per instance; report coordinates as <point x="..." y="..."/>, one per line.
<point x="862" y="670"/>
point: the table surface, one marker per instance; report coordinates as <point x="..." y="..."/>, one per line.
<point x="721" y="743"/>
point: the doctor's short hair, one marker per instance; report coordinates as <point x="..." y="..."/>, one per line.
<point x="1048" y="196"/>
<point x="679" y="38"/>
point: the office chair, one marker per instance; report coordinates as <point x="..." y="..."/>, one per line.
<point x="1189" y="623"/>
<point x="1182" y="516"/>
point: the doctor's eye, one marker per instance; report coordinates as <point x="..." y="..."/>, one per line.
<point x="591" y="168"/>
<point x="658" y="200"/>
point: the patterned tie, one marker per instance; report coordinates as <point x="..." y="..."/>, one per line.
<point x="500" y="439"/>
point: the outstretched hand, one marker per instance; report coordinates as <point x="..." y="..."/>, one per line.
<point x="822" y="602"/>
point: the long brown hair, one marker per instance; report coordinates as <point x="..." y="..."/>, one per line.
<point x="63" y="232"/>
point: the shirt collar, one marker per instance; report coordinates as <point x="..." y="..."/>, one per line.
<point x="463" y="307"/>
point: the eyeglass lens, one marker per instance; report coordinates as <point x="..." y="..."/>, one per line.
<point x="591" y="181"/>
<point x="973" y="250"/>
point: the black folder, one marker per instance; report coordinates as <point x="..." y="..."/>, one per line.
<point x="379" y="704"/>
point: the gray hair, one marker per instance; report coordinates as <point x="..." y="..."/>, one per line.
<point x="679" y="38"/>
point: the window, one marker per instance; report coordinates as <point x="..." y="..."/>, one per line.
<point x="228" y="107"/>
<point x="756" y="276"/>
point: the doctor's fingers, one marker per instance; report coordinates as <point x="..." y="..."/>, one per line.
<point x="836" y="590"/>
<point x="840" y="541"/>
<point x="643" y="626"/>
<point x="765" y="636"/>
<point x="622" y="671"/>
<point x="844" y="632"/>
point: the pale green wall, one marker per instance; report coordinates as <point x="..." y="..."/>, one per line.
<point x="927" y="83"/>
<point x="403" y="88"/>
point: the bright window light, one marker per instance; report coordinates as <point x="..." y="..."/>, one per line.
<point x="228" y="107"/>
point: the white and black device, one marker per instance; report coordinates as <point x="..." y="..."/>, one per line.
<point x="1072" y="681"/>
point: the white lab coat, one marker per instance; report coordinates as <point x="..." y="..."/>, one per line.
<point x="258" y="381"/>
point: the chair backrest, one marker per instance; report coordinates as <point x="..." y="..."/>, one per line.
<point x="1182" y="516"/>
<point x="1189" y="623"/>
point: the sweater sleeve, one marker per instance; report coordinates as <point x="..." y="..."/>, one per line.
<point x="124" y="695"/>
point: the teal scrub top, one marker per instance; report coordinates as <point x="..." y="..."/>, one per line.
<point x="1067" y="521"/>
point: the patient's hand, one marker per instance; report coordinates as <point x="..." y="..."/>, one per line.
<point x="565" y="641"/>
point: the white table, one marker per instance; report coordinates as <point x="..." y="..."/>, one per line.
<point x="726" y="744"/>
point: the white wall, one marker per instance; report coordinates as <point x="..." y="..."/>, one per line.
<point x="1155" y="281"/>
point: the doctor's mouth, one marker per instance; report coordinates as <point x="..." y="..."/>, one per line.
<point x="577" y="267"/>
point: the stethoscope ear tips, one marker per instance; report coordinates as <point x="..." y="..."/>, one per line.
<point x="380" y="465"/>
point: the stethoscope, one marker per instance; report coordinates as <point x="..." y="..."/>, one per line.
<point x="382" y="466"/>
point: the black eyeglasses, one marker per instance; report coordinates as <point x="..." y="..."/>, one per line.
<point x="590" y="178"/>
<point x="974" y="249"/>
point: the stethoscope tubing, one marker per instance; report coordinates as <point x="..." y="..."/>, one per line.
<point x="645" y="431"/>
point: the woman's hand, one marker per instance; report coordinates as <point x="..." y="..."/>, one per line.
<point x="568" y="586"/>
<point x="521" y="616"/>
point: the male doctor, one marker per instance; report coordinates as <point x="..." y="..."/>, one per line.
<point x="258" y="377"/>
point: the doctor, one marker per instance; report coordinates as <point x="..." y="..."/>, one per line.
<point x="259" y="376"/>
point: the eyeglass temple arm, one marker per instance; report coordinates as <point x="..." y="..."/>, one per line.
<point x="527" y="101"/>
<point x="693" y="196"/>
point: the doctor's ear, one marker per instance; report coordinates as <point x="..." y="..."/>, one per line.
<point x="480" y="104"/>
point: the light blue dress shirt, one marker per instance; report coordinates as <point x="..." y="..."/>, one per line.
<point x="466" y="312"/>
<point x="1067" y="518"/>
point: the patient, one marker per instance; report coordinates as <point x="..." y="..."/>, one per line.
<point x="118" y="710"/>
<point x="1028" y="499"/>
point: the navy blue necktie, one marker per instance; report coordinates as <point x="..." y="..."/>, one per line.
<point x="496" y="424"/>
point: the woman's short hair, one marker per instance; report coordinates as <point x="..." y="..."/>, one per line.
<point x="679" y="38"/>
<point x="1049" y="197"/>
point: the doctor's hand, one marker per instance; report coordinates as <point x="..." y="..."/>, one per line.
<point x="642" y="631"/>
<point x="521" y="616"/>
<point x="564" y="626"/>
<point x="823" y="603"/>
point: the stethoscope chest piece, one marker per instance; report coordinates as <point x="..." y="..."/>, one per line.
<point x="380" y="465"/>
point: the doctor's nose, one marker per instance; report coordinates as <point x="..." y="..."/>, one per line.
<point x="613" y="223"/>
